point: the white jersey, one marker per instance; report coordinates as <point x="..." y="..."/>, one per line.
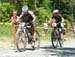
<point x="45" y="25"/>
<point x="12" y="18"/>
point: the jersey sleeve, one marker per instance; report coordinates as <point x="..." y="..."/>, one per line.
<point x="62" y="19"/>
<point x="53" y="17"/>
<point x="31" y="13"/>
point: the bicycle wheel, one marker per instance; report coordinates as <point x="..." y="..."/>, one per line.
<point x="37" y="40"/>
<point x="21" y="41"/>
<point x="36" y="43"/>
<point x="54" y="38"/>
<point x="61" y="40"/>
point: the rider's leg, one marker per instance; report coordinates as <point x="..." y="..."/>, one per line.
<point x="59" y="30"/>
<point x="33" y="29"/>
<point x="46" y="33"/>
<point x="61" y="35"/>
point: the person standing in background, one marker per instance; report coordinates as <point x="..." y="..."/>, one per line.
<point x="15" y="17"/>
<point x="73" y="30"/>
<point x="13" y="21"/>
<point x="46" y="28"/>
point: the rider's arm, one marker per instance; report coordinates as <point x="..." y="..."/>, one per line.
<point x="20" y="17"/>
<point x="63" y="20"/>
<point x="49" y="22"/>
<point x="32" y="14"/>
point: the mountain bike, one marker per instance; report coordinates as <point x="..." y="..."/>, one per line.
<point x="23" y="36"/>
<point x="56" y="36"/>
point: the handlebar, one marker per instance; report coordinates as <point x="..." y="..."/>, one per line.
<point x="23" y="24"/>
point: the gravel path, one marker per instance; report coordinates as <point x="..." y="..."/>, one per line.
<point x="45" y="50"/>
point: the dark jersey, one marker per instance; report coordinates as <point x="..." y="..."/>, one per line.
<point x="58" y="20"/>
<point x="27" y="17"/>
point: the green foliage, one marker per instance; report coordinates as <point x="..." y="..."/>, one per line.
<point x="66" y="7"/>
<point x="5" y="11"/>
<point x="42" y="14"/>
<point x="42" y="8"/>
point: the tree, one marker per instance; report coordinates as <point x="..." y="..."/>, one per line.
<point x="5" y="11"/>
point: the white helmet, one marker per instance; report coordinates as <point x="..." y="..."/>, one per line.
<point x="25" y="8"/>
<point x="55" y="11"/>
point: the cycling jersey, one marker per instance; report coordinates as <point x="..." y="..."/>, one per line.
<point x="58" y="20"/>
<point x="27" y="16"/>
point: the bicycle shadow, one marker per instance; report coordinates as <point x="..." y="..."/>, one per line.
<point x="27" y="49"/>
<point x="59" y="52"/>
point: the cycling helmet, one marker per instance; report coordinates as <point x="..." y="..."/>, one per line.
<point x="55" y="11"/>
<point x="25" y="8"/>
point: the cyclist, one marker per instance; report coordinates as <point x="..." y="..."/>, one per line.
<point x="29" y="18"/>
<point x="46" y="28"/>
<point x="58" y="19"/>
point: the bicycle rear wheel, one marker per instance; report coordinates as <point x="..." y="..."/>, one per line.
<point x="54" y="38"/>
<point x="34" y="44"/>
<point x="21" y="41"/>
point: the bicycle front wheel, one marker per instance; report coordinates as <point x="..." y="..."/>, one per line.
<point x="54" y="38"/>
<point x="21" y="41"/>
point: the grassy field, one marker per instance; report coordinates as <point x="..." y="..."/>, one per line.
<point x="7" y="30"/>
<point x="7" y="38"/>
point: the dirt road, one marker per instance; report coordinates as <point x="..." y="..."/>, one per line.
<point x="46" y="50"/>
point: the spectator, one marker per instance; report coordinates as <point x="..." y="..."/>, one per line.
<point x="13" y="20"/>
<point x="14" y="17"/>
<point x="46" y="28"/>
<point x="73" y="31"/>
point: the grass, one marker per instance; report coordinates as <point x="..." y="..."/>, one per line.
<point x="42" y="33"/>
<point x="6" y="35"/>
<point x="7" y="39"/>
<point x="6" y="30"/>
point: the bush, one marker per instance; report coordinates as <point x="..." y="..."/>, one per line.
<point x="42" y="14"/>
<point x="5" y="11"/>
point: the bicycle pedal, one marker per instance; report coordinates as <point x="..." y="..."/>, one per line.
<point x="33" y="47"/>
